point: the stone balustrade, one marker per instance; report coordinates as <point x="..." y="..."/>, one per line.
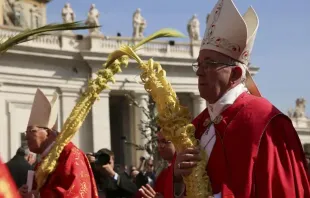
<point x="102" y="44"/>
<point x="68" y="41"/>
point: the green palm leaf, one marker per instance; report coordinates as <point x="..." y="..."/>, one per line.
<point x="33" y="33"/>
<point x="166" y="32"/>
<point x="127" y="50"/>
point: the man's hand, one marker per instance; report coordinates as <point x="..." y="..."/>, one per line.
<point x="23" y="190"/>
<point x="148" y="192"/>
<point x="91" y="158"/>
<point x="142" y="159"/>
<point x="32" y="194"/>
<point x="31" y="159"/>
<point x="185" y="162"/>
<point x="108" y="170"/>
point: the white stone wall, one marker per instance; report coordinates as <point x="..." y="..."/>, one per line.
<point x="302" y="126"/>
<point x="65" y="63"/>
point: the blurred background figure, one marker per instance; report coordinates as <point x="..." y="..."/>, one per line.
<point x="147" y="170"/>
<point x="164" y="182"/>
<point x="110" y="182"/>
<point x="133" y="175"/>
<point x="20" y="164"/>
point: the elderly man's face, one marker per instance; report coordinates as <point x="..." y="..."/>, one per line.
<point x="215" y="79"/>
<point x="149" y="165"/>
<point x="36" y="138"/>
<point x="165" y="148"/>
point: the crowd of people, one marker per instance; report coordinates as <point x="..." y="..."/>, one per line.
<point x="252" y="148"/>
<point x="129" y="181"/>
<point x="118" y="182"/>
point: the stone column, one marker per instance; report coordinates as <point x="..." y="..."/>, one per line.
<point x="68" y="98"/>
<point x="101" y="122"/>
<point x="199" y="104"/>
<point x="4" y="134"/>
<point x="142" y="100"/>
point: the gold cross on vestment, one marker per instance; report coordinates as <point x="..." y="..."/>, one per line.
<point x="208" y="122"/>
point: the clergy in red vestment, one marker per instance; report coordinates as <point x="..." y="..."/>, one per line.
<point x="164" y="182"/>
<point x="252" y="148"/>
<point x="7" y="185"/>
<point x="73" y="176"/>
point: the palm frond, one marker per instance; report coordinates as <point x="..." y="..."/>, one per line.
<point x="130" y="50"/>
<point x="28" y="34"/>
<point x="166" y="32"/>
<point x="113" y="56"/>
<point x="123" y="50"/>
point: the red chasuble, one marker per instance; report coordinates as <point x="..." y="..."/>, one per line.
<point x="7" y="186"/>
<point x="72" y="178"/>
<point x="257" y="152"/>
<point x="164" y="182"/>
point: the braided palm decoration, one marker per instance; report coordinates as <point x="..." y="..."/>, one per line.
<point x="114" y="65"/>
<point x="174" y="120"/>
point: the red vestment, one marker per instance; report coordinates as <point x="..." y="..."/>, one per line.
<point x="72" y="178"/>
<point x="7" y="186"/>
<point x="257" y="152"/>
<point x="164" y="182"/>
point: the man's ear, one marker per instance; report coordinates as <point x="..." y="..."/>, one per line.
<point x="236" y="74"/>
<point x="51" y="133"/>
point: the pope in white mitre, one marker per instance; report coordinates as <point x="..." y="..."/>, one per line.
<point x="73" y="175"/>
<point x="252" y="148"/>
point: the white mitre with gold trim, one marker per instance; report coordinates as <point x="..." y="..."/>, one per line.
<point x="44" y="113"/>
<point x="233" y="35"/>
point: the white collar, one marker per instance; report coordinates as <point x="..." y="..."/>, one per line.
<point x="226" y="100"/>
<point x="47" y="150"/>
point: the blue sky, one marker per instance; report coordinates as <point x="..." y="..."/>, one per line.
<point x="281" y="49"/>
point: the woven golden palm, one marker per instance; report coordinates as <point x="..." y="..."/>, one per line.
<point x="172" y="117"/>
<point x="84" y="104"/>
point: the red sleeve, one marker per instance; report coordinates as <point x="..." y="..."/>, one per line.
<point x="73" y="177"/>
<point x="7" y="186"/>
<point x="281" y="169"/>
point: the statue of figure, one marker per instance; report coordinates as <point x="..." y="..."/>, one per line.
<point x="193" y="28"/>
<point x="93" y="19"/>
<point x="139" y="24"/>
<point x="300" y="109"/>
<point x="290" y="113"/>
<point x="207" y="19"/>
<point x="68" y="15"/>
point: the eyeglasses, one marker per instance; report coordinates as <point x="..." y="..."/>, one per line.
<point x="209" y="63"/>
<point x="163" y="143"/>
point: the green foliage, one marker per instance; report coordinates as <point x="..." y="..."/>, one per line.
<point x="148" y="128"/>
<point x="41" y="31"/>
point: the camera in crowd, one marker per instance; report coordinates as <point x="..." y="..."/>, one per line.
<point x="101" y="158"/>
<point x="141" y="180"/>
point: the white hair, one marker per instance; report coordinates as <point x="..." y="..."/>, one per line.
<point x="242" y="66"/>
